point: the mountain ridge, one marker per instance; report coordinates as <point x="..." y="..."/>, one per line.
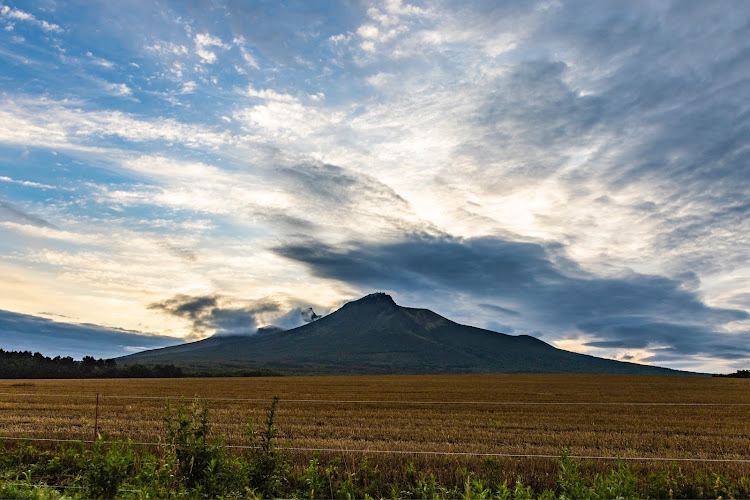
<point x="374" y="335"/>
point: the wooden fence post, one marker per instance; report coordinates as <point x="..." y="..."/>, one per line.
<point x="96" y="418"/>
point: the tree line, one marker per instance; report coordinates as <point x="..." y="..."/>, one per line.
<point x="737" y="374"/>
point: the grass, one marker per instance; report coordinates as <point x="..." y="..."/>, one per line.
<point x="462" y="419"/>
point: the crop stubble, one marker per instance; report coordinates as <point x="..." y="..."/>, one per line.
<point x="505" y="414"/>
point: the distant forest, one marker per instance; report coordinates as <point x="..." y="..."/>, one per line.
<point x="737" y="374"/>
<point x="25" y="364"/>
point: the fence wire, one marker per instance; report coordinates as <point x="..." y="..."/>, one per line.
<point x="382" y="401"/>
<point x="400" y="452"/>
<point x="104" y="397"/>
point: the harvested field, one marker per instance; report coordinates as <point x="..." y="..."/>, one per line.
<point x="592" y="415"/>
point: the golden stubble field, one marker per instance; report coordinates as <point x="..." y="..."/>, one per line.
<point x="592" y="415"/>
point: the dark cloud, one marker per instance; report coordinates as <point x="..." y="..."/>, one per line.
<point x="187" y="306"/>
<point x="26" y="332"/>
<point x="741" y="300"/>
<point x="280" y="218"/>
<point x="339" y="186"/>
<point x="208" y="313"/>
<point x="182" y="252"/>
<point x="333" y="197"/>
<point x="633" y="310"/>
<point x="15" y="214"/>
<point x="498" y="309"/>
<point x="681" y="340"/>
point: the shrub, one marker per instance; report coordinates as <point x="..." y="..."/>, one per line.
<point x="200" y="462"/>
<point x="267" y="467"/>
<point x="107" y="469"/>
<point x="570" y="483"/>
<point x="620" y="483"/>
<point x="27" y="491"/>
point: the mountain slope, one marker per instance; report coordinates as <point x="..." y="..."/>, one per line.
<point x="375" y="335"/>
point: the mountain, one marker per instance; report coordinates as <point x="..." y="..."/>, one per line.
<point x="24" y="332"/>
<point x="374" y="335"/>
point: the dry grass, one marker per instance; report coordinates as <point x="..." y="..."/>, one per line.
<point x="501" y="413"/>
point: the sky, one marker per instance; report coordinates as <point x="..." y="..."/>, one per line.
<point x="575" y="171"/>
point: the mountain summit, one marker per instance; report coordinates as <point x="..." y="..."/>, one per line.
<point x="374" y="335"/>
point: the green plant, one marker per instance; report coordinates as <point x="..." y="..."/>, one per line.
<point x="28" y="491"/>
<point x="503" y="492"/>
<point x="199" y="461"/>
<point x="619" y="483"/>
<point x="107" y="469"/>
<point x="570" y="483"/>
<point x="315" y="480"/>
<point x="427" y="487"/>
<point x="667" y="483"/>
<point x="332" y="473"/>
<point x="267" y="467"/>
<point x="522" y="492"/>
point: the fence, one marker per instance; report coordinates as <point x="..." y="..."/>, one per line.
<point x="427" y="406"/>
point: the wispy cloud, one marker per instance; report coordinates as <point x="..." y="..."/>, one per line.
<point x="15" y="214"/>
<point x="4" y="178"/>
<point x="23" y="16"/>
<point x="204" y="45"/>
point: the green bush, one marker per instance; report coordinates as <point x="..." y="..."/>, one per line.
<point x="9" y="490"/>
<point x="315" y="480"/>
<point x="267" y="467"/>
<point x="619" y="484"/>
<point x="569" y="482"/>
<point x="108" y="467"/>
<point x="200" y="462"/>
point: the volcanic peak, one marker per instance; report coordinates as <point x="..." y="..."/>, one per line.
<point x="375" y="298"/>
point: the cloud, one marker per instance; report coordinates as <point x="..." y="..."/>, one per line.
<point x="119" y="89"/>
<point x="11" y="213"/>
<point x="546" y="290"/>
<point x="498" y="309"/>
<point x="664" y="338"/>
<point x="188" y="87"/>
<point x="308" y="315"/>
<point x="4" y="178"/>
<point x="20" y="15"/>
<point x="164" y="48"/>
<point x="64" y="124"/>
<point x="203" y="41"/>
<point x="184" y="253"/>
<point x="289" y="29"/>
<point x="104" y="63"/>
<point x="340" y="186"/>
<point x="209" y="313"/>
<point x="52" y="338"/>
<point x="269" y="94"/>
